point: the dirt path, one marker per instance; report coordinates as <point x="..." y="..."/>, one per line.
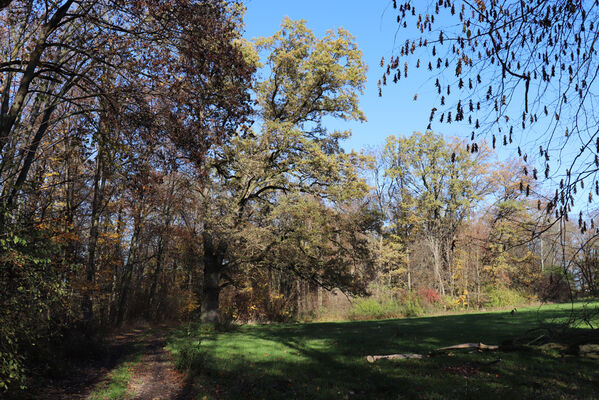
<point x="154" y="378"/>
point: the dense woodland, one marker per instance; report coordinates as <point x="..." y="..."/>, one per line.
<point x="156" y="166"/>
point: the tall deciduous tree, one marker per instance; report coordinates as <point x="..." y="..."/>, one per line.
<point x="307" y="80"/>
<point x="434" y="186"/>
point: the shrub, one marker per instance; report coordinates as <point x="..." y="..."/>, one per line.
<point x="404" y="304"/>
<point x="503" y="297"/>
<point x="411" y="306"/>
<point x="429" y="296"/>
<point x="190" y="356"/>
<point x="554" y="286"/>
<point x="375" y="308"/>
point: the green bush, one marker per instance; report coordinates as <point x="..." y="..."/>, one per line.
<point x="190" y="356"/>
<point x="375" y="308"/>
<point x="412" y="306"/>
<point x="34" y="303"/>
<point x="382" y="307"/>
<point x="503" y="297"/>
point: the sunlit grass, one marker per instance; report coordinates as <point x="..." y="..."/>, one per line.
<point x="326" y="360"/>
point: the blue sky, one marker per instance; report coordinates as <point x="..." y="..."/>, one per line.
<point x="373" y="25"/>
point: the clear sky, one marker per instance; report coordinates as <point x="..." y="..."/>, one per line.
<point x="373" y="24"/>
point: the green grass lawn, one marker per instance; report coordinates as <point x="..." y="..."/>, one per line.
<point x="326" y="360"/>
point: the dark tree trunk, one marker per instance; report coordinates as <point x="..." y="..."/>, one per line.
<point x="128" y="269"/>
<point x="211" y="288"/>
<point x="162" y="243"/>
<point x="152" y="293"/>
<point x="116" y="272"/>
<point x="90" y="275"/>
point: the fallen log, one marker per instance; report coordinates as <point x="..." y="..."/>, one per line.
<point x="372" y="359"/>
<point x="479" y="346"/>
<point x="406" y="356"/>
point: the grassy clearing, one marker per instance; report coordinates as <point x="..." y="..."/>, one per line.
<point x="326" y="360"/>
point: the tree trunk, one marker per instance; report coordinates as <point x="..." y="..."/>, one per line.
<point x="409" y="271"/>
<point x="477" y="279"/>
<point x="99" y="182"/>
<point x="437" y="262"/>
<point x="211" y="289"/>
<point x="128" y="269"/>
<point x="159" y="261"/>
<point x="120" y="226"/>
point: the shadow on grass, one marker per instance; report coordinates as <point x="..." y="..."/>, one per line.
<point x="326" y="360"/>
